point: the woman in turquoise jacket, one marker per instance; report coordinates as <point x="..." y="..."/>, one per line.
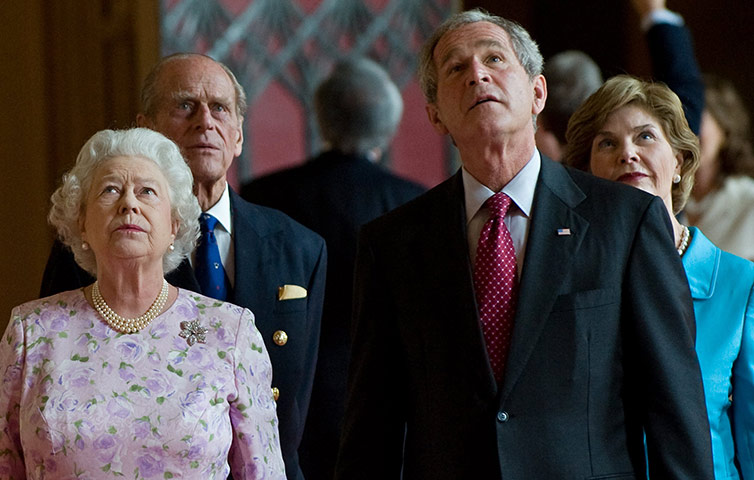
<point x="722" y="287"/>
<point x="635" y="132"/>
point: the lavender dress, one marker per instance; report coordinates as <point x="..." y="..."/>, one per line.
<point x="80" y="400"/>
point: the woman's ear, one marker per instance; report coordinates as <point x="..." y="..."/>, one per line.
<point x="679" y="162"/>
<point x="82" y="225"/>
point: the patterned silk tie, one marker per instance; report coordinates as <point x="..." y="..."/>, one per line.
<point x="496" y="283"/>
<point x="209" y="267"/>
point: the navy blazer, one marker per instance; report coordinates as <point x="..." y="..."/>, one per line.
<point x="602" y="347"/>
<point x="674" y="63"/>
<point x="271" y="250"/>
<point x="334" y="194"/>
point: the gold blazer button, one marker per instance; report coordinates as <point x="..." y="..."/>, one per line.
<point x="280" y="338"/>
<point x="275" y="393"/>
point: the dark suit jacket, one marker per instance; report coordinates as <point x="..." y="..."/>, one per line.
<point x="602" y="348"/>
<point x="674" y="63"/>
<point x="334" y="195"/>
<point x="271" y="250"/>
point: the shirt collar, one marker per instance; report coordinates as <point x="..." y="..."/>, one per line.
<point x="221" y="210"/>
<point x="520" y="188"/>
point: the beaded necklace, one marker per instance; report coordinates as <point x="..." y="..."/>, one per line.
<point x="684" y="242"/>
<point x="129" y="325"/>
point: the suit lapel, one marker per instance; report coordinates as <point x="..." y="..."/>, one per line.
<point x="448" y="267"/>
<point x="549" y="256"/>
<point x="251" y="247"/>
<point x="248" y="255"/>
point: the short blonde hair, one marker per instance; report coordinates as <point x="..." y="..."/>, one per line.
<point x="657" y="100"/>
<point x="68" y="201"/>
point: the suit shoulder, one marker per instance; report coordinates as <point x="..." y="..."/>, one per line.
<point x="603" y="203"/>
<point x="409" y="187"/>
<point x="601" y="189"/>
<point x="740" y="268"/>
<point x="416" y="210"/>
<point x="272" y="182"/>
<point x="266" y="218"/>
<point x="61" y="300"/>
<point x="382" y="173"/>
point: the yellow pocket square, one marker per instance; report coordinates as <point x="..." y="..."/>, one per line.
<point x="289" y="292"/>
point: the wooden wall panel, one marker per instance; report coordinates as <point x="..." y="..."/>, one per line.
<point x="23" y="149"/>
<point x="69" y="68"/>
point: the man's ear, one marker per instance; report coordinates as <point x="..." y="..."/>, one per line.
<point x="239" y="140"/>
<point x="434" y="118"/>
<point x="540" y="94"/>
<point x="144" y="121"/>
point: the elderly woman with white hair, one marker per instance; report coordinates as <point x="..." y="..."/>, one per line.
<point x="131" y="376"/>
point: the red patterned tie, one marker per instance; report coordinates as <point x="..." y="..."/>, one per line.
<point x="496" y="283"/>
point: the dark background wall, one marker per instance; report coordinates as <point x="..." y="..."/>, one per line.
<point x="72" y="67"/>
<point x="608" y="30"/>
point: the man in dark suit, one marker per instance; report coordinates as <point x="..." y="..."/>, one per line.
<point x="358" y="110"/>
<point x="274" y="266"/>
<point x="601" y="342"/>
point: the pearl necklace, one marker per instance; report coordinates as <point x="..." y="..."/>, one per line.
<point x="129" y="325"/>
<point x="684" y="242"/>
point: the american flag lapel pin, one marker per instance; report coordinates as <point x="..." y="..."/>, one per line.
<point x="564" y="232"/>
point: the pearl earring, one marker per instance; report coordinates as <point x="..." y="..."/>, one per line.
<point x="84" y="246"/>
<point x="677" y="178"/>
<point x="171" y="247"/>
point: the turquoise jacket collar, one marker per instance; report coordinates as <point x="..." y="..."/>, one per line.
<point x="701" y="261"/>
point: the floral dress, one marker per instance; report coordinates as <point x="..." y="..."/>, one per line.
<point x="79" y="400"/>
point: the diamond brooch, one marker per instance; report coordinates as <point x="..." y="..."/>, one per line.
<point x="193" y="332"/>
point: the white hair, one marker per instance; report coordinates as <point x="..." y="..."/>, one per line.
<point x="69" y="200"/>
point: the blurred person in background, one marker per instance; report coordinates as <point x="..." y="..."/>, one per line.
<point x="358" y="111"/>
<point x="722" y="201"/>
<point x="571" y="77"/>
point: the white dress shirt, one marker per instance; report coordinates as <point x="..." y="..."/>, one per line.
<point x="521" y="191"/>
<point x="223" y="234"/>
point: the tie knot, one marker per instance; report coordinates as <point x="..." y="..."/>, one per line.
<point x="207" y="222"/>
<point x="498" y="204"/>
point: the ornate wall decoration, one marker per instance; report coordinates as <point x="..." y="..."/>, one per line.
<point x="281" y="49"/>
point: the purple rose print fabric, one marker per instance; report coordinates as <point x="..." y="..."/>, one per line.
<point x="79" y="400"/>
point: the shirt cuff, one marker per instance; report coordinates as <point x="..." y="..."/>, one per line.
<point x="662" y="15"/>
